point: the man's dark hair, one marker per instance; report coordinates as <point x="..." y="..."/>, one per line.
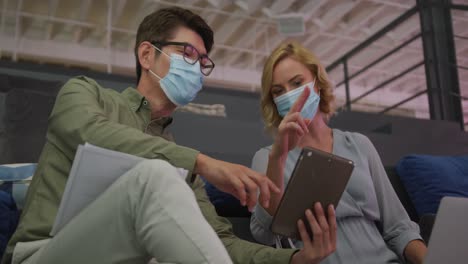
<point x="161" y="24"/>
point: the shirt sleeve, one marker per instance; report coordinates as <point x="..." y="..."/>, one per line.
<point x="240" y="251"/>
<point x="397" y="228"/>
<point x="260" y="221"/>
<point x="78" y="117"/>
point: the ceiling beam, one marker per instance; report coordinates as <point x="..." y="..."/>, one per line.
<point x="213" y="3"/>
<point x="231" y="48"/>
<point x="465" y="47"/>
<point x="386" y="66"/>
<point x="253" y="5"/>
<point x="323" y="47"/>
<point x="278" y="7"/>
<point x="274" y="42"/>
<point x="218" y="48"/>
<point x="418" y="87"/>
<point x="385" y="19"/>
<point x="233" y="60"/>
<point x="390" y="66"/>
<point x="400" y="61"/>
<point x="404" y="84"/>
<point x="330" y="18"/>
<point x="214" y="10"/>
<point x="209" y="17"/>
<point x="25" y="22"/>
<point x="310" y="8"/>
<point x="118" y="10"/>
<point x="18" y="21"/>
<point x="384" y="72"/>
<point x="375" y="71"/>
<point x="332" y="53"/>
<point x="145" y="8"/>
<point x="360" y="20"/>
<point x="228" y="27"/>
<point x="191" y="2"/>
<point x="246" y="41"/>
<point x="218" y="4"/>
<point x="108" y="38"/>
<point x="337" y="12"/>
<point x="405" y="29"/>
<point x="393" y="4"/>
<point x="250" y="36"/>
<point x="359" y="40"/>
<point x="253" y="32"/>
<point x="247" y="38"/>
<point x="4" y="14"/>
<point x="80" y="32"/>
<point x="53" y="6"/>
<point x="2" y="23"/>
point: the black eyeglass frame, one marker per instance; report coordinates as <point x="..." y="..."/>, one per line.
<point x="208" y="68"/>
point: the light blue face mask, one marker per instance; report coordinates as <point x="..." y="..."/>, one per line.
<point x="286" y="101"/>
<point x="183" y="81"/>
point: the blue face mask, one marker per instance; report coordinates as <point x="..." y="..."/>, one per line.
<point x="183" y="81"/>
<point x="286" y="101"/>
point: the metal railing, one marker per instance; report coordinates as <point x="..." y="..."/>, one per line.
<point x="462" y="8"/>
<point x="347" y="77"/>
<point x="345" y="58"/>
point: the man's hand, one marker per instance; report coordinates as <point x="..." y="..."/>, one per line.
<point x="237" y="180"/>
<point x="324" y="236"/>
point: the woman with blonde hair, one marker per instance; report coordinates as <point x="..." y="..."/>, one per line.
<point x="370" y="225"/>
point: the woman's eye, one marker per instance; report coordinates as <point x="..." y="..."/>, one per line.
<point x="297" y="83"/>
<point x="277" y="91"/>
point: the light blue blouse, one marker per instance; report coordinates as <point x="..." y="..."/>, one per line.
<point x="373" y="226"/>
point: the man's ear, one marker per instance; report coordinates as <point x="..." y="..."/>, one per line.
<point x="146" y="55"/>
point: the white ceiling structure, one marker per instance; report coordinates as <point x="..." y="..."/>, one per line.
<point x="100" y="35"/>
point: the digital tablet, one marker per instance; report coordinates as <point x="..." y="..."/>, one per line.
<point x="318" y="176"/>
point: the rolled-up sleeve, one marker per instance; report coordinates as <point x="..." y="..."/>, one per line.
<point x="241" y="251"/>
<point x="78" y="117"/>
<point x="260" y="220"/>
<point x="397" y="228"/>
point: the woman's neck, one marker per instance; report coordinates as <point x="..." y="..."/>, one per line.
<point x="320" y="136"/>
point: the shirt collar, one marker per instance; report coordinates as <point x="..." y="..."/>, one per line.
<point x="135" y="99"/>
<point x="138" y="102"/>
<point x="162" y="122"/>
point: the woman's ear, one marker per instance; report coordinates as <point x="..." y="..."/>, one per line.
<point x="145" y="55"/>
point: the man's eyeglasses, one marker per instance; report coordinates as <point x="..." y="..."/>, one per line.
<point x="191" y="55"/>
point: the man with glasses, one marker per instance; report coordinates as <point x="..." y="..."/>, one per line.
<point x="150" y="211"/>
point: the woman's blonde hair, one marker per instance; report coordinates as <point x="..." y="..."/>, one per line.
<point x="296" y="51"/>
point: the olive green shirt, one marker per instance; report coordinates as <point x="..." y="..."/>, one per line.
<point x="86" y="112"/>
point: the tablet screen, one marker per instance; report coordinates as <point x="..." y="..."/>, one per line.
<point x="318" y="176"/>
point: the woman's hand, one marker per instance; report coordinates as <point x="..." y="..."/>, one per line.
<point x="292" y="128"/>
<point x="415" y="251"/>
<point x="323" y="242"/>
